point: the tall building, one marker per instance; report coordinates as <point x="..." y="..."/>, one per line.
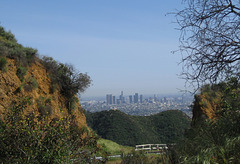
<point x="136" y="98"/>
<point x="109" y="99"/>
<point x="118" y="101"/>
<point x="123" y="100"/>
<point x="141" y="99"/>
<point x="130" y="99"/>
<point x="121" y="97"/>
<point x="114" y="100"/>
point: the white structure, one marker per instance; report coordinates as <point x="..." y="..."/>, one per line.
<point x="148" y="147"/>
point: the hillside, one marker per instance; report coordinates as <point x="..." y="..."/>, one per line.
<point x="214" y="136"/>
<point x="164" y="127"/>
<point x="23" y="75"/>
<point x="41" y="120"/>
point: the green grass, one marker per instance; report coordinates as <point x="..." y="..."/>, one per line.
<point x="113" y="148"/>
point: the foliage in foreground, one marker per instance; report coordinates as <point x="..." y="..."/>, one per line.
<point x="140" y="157"/>
<point x="26" y="138"/>
<point x="215" y="141"/>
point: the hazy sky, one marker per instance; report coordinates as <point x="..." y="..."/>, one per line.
<point x="124" y="45"/>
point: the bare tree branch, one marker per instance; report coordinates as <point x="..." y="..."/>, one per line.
<point x="210" y="40"/>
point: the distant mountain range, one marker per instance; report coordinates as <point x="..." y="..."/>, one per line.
<point x="165" y="127"/>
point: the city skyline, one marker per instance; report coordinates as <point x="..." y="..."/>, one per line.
<point x="111" y="99"/>
<point x="122" y="45"/>
<point x="142" y="105"/>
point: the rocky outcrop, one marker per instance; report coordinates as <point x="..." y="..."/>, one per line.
<point x="206" y="106"/>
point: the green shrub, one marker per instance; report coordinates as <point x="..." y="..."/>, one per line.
<point x="135" y="158"/>
<point x="23" y="139"/>
<point x="48" y="100"/>
<point x="50" y="64"/>
<point x="30" y="55"/>
<point x="45" y="110"/>
<point x="30" y="84"/>
<point x="53" y="87"/>
<point x="42" y="101"/>
<point x="9" y="47"/>
<point x="7" y="35"/>
<point x="84" y="129"/>
<point x="44" y="106"/>
<point x="21" y="72"/>
<point x="67" y="78"/>
<point x="72" y="104"/>
<point x="70" y="81"/>
<point x="3" y="49"/>
<point x="3" y="64"/>
<point x="214" y="141"/>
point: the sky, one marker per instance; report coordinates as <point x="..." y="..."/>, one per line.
<point x="123" y="45"/>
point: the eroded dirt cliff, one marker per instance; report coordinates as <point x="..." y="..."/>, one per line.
<point x="206" y="106"/>
<point x="13" y="90"/>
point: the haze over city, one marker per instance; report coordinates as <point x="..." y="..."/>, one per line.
<point x="122" y="45"/>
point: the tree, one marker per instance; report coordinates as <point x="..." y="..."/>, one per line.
<point x="210" y="40"/>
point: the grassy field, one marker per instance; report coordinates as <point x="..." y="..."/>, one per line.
<point x="113" y="148"/>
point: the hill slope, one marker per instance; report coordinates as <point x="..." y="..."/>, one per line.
<point x="214" y="136"/>
<point x="164" y="127"/>
<point x="23" y="75"/>
<point x="41" y="120"/>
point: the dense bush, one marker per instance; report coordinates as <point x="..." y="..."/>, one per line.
<point x="211" y="142"/>
<point x="140" y="157"/>
<point x="21" y="72"/>
<point x="3" y="64"/>
<point x="45" y="110"/>
<point x="10" y="48"/>
<point x="72" y="104"/>
<point x="67" y="78"/>
<point x="26" y="139"/>
<point x="44" y="106"/>
<point x="135" y="158"/>
<point x="30" y="84"/>
<point x="7" y="35"/>
<point x="215" y="141"/>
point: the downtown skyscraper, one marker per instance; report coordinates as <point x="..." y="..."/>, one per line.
<point x="109" y="99"/>
<point x="136" y="98"/>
